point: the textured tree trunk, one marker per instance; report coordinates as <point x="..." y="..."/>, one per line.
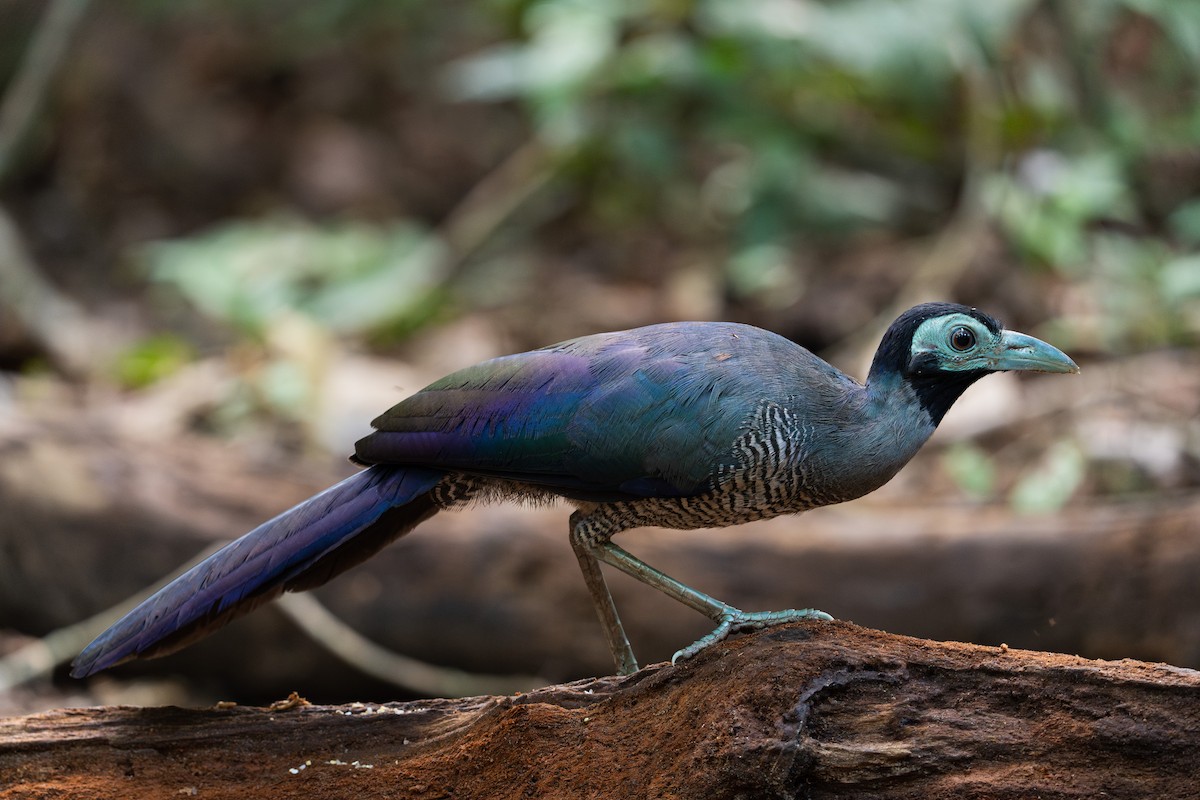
<point x="810" y="710"/>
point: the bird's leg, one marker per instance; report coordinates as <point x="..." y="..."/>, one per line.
<point x="582" y="542"/>
<point x="729" y="619"/>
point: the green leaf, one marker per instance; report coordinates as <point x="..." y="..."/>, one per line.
<point x="972" y="469"/>
<point x="1049" y="485"/>
<point x="1185" y="222"/>
<point x="1180" y="277"/>
<point x="151" y="360"/>
<point x="350" y="278"/>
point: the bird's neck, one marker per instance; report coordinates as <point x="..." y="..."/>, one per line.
<point x="882" y="428"/>
<point x="895" y="412"/>
<point x="930" y="393"/>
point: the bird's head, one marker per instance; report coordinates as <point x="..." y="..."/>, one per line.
<point x="940" y="349"/>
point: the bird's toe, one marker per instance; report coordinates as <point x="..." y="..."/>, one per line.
<point x="737" y="621"/>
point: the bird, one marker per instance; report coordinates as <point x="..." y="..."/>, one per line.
<point x="679" y="425"/>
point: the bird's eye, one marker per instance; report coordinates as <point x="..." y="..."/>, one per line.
<point x="962" y="338"/>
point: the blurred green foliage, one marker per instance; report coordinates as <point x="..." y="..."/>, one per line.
<point x="972" y="468"/>
<point x="348" y="278"/>
<point x="288" y="285"/>
<point x="783" y="122"/>
<point x="152" y="359"/>
<point x="751" y="131"/>
<point x="1047" y="486"/>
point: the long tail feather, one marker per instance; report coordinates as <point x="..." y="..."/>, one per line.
<point x="300" y="549"/>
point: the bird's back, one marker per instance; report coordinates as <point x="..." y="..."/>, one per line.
<point x="653" y="412"/>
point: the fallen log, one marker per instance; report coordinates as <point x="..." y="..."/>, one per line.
<point x="820" y="710"/>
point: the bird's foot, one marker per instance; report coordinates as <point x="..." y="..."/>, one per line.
<point x="734" y="620"/>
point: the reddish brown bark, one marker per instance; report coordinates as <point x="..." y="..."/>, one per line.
<point x="811" y="710"/>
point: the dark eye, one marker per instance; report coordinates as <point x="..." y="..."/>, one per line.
<point x="962" y="338"/>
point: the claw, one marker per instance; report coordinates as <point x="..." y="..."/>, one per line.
<point x="737" y="621"/>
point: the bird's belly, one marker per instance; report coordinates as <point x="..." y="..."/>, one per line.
<point x="710" y="510"/>
<point x="737" y="496"/>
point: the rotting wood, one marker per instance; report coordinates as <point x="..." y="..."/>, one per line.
<point x="808" y="710"/>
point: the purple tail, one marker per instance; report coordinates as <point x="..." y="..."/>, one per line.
<point x="301" y="548"/>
